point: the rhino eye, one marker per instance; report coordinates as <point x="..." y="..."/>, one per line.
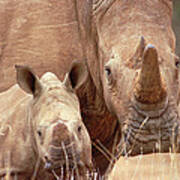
<point x="108" y="75"/>
<point x="107" y="71"/>
<point x="39" y="133"/>
<point x="177" y="64"/>
<point x="79" y="129"/>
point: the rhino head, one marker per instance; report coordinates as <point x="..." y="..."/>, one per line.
<point x="145" y="101"/>
<point x="129" y="46"/>
<point x="59" y="136"/>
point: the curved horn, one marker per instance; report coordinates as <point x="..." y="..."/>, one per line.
<point x="149" y="88"/>
<point x="140" y="48"/>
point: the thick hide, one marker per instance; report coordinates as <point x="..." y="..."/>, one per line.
<point x="133" y="79"/>
<point x="42" y="34"/>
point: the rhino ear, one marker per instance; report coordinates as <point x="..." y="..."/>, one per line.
<point x="76" y="76"/>
<point x="27" y="80"/>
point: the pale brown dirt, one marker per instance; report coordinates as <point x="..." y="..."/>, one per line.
<point x="147" y="167"/>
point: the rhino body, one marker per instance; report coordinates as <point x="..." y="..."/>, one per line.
<point x="42" y="135"/>
<point x="41" y="34"/>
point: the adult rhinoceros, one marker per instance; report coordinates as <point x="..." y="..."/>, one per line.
<point x="129" y="46"/>
<point x="42" y="131"/>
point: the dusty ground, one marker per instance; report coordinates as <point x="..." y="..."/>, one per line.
<point x="147" y="167"/>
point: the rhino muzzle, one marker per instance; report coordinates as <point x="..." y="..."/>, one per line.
<point x="152" y="124"/>
<point x="60" y="156"/>
<point x="63" y="149"/>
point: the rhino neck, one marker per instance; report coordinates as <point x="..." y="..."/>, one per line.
<point x="94" y="111"/>
<point x="101" y="124"/>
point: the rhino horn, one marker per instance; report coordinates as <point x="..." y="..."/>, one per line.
<point x="149" y="88"/>
<point x="140" y="48"/>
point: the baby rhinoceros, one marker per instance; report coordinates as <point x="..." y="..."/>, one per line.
<point x="42" y="135"/>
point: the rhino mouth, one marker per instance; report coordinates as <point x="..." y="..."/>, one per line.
<point x="59" y="164"/>
<point x="68" y="163"/>
<point x="59" y="157"/>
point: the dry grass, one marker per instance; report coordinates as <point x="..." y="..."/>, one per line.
<point x="155" y="166"/>
<point x="149" y="167"/>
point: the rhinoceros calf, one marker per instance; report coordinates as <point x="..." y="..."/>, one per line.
<point x="41" y="133"/>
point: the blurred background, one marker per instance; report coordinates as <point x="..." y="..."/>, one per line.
<point x="176" y="24"/>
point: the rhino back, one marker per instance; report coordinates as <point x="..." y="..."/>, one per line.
<point x="42" y="34"/>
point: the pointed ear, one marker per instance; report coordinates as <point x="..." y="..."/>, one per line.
<point x="76" y="75"/>
<point x="27" y="80"/>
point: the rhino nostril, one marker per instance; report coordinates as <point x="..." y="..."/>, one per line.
<point x="46" y="158"/>
<point x="47" y="165"/>
<point x="79" y="129"/>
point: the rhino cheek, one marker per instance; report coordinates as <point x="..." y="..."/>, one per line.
<point x="86" y="155"/>
<point x="83" y="146"/>
<point x="108" y="96"/>
<point x="42" y="152"/>
<point x="44" y="141"/>
<point x="112" y="101"/>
